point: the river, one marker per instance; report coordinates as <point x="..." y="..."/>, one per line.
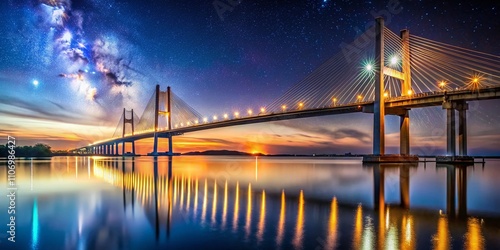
<point x="229" y="202"/>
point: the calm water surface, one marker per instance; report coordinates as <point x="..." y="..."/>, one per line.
<point x="193" y="202"/>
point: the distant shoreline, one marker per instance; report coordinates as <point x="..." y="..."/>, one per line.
<point x="239" y="153"/>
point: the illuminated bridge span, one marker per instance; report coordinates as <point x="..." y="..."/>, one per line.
<point x="380" y="72"/>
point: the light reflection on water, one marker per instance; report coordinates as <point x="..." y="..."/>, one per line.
<point x="244" y="202"/>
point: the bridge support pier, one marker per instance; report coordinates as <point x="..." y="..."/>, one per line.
<point x="155" y="145"/>
<point x="451" y="140"/>
<point x="450" y="132"/>
<point x="133" y="147"/>
<point x="116" y="148"/>
<point x="462" y="130"/>
<point x="379" y="104"/>
<point x="170" y="146"/>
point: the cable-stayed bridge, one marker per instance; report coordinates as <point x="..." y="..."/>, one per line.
<point x="380" y="72"/>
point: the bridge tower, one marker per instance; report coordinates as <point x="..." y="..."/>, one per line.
<point x="125" y="121"/>
<point x="379" y="105"/>
<point x="168" y="114"/>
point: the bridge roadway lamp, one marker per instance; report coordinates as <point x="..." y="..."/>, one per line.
<point x="360" y="97"/>
<point x="284" y="108"/>
<point x="334" y="101"/>
<point x="236" y="114"/>
<point x="442" y="85"/>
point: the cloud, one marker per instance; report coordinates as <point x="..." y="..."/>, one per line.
<point x="38" y="111"/>
<point x="110" y="60"/>
<point x="351" y="133"/>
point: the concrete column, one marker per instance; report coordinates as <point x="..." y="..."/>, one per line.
<point x="450" y="132"/>
<point x="450" y="190"/>
<point x="116" y="148"/>
<point x="378" y="187"/>
<point x="379" y="105"/>
<point x="462" y="131"/>
<point x="157" y="109"/>
<point x="170" y="146"/>
<point x="155" y="144"/>
<point x="404" y="133"/>
<point x="404" y="186"/>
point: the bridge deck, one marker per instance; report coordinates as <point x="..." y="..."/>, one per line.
<point x="420" y="100"/>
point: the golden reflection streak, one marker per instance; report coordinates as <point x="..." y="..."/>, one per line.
<point x="256" y="168"/>
<point x="358" y="228"/>
<point x="195" y="209"/>
<point x="391" y="241"/>
<point x="408" y="237"/>
<point x="299" y="229"/>
<point x="262" y="219"/>
<point x="224" y="211"/>
<point x="249" y="211"/>
<point x="332" y="225"/>
<point x="281" y="223"/>
<point x="181" y="203"/>
<point x="188" y="193"/>
<point x="382" y="226"/>
<point x="204" y="206"/>
<point x="214" y="202"/>
<point x="175" y="190"/>
<point x="441" y="240"/>
<point x="474" y="238"/>
<point x="236" y="207"/>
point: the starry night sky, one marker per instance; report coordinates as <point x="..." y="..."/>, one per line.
<point x="246" y="56"/>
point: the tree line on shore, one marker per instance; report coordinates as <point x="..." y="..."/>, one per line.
<point x="38" y="150"/>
